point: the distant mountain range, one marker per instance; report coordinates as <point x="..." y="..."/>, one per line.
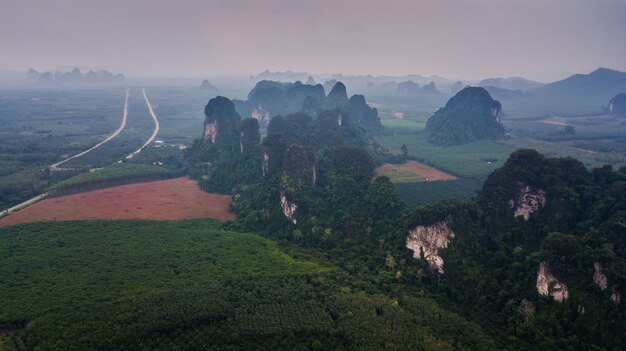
<point x="576" y="95"/>
<point x="602" y="82"/>
<point x="75" y="77"/>
<point x="514" y="83"/>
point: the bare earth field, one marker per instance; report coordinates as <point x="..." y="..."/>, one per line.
<point x="171" y="199"/>
<point x="412" y="171"/>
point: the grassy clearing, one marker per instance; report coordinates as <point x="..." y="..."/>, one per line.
<point x="589" y="158"/>
<point x="475" y="159"/>
<point x="402" y="124"/>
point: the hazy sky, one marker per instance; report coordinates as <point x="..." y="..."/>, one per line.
<point x="468" y="39"/>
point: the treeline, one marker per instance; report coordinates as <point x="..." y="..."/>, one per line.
<point x="108" y="183"/>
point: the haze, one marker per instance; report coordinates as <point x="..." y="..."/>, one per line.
<point x="467" y="39"/>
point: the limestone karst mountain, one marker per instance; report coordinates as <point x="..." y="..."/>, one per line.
<point x="469" y="115"/>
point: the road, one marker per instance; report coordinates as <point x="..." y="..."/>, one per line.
<point x="55" y="167"/>
<point x="157" y="126"/>
<point x="23" y="204"/>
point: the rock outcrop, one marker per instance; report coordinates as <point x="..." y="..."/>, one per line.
<point x="528" y="201"/>
<point x="222" y="123"/>
<point x="598" y="277"/>
<point x="426" y="241"/>
<point x="617" y="105"/>
<point x="289" y="209"/>
<point x="548" y="284"/>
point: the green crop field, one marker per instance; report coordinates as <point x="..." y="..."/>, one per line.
<point x="590" y="158"/>
<point x="475" y="159"/>
<point x="402" y="124"/>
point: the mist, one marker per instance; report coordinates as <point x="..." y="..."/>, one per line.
<point x="466" y="39"/>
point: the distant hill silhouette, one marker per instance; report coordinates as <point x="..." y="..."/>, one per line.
<point x="206" y="85"/>
<point x="75" y="78"/>
<point x="514" y="83"/>
<point x="602" y="82"/>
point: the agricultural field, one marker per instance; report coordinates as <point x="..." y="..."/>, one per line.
<point x="476" y="159"/>
<point x="566" y="148"/>
<point x="396" y="123"/>
<point x="180" y="111"/>
<point x="189" y="284"/>
<point x="412" y="171"/>
<point x="171" y="199"/>
<point x="40" y="127"/>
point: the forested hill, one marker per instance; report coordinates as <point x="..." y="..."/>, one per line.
<point x="540" y="256"/>
<point x="537" y="259"/>
<point x="269" y="99"/>
<point x="469" y="115"/>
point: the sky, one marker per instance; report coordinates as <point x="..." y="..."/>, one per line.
<point x="466" y="39"/>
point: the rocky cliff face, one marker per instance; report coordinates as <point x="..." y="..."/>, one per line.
<point x="598" y="277"/>
<point x="428" y="240"/>
<point x="548" y="284"/>
<point x="289" y="209"/>
<point x="210" y="131"/>
<point x="528" y="201"/>
<point x="617" y="105"/>
<point x="222" y="123"/>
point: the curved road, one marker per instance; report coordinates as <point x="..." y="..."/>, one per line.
<point x="55" y="167"/>
<point x="157" y="126"/>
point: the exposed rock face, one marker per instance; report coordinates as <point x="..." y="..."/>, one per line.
<point x="528" y="201"/>
<point x="617" y="105"/>
<point x="222" y="123"/>
<point x="210" y="131"/>
<point x="289" y="209"/>
<point x="599" y="277"/>
<point x="265" y="164"/>
<point x="548" y="285"/>
<point x="429" y="240"/>
<point x="616" y="297"/>
<point x="469" y="115"/>
<point x="260" y="114"/>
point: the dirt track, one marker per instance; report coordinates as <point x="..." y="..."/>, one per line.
<point x="170" y="199"/>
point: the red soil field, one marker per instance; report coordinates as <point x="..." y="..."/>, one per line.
<point x="420" y="169"/>
<point x="171" y="199"/>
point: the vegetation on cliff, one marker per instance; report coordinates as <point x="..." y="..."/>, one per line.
<point x="469" y="115"/>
